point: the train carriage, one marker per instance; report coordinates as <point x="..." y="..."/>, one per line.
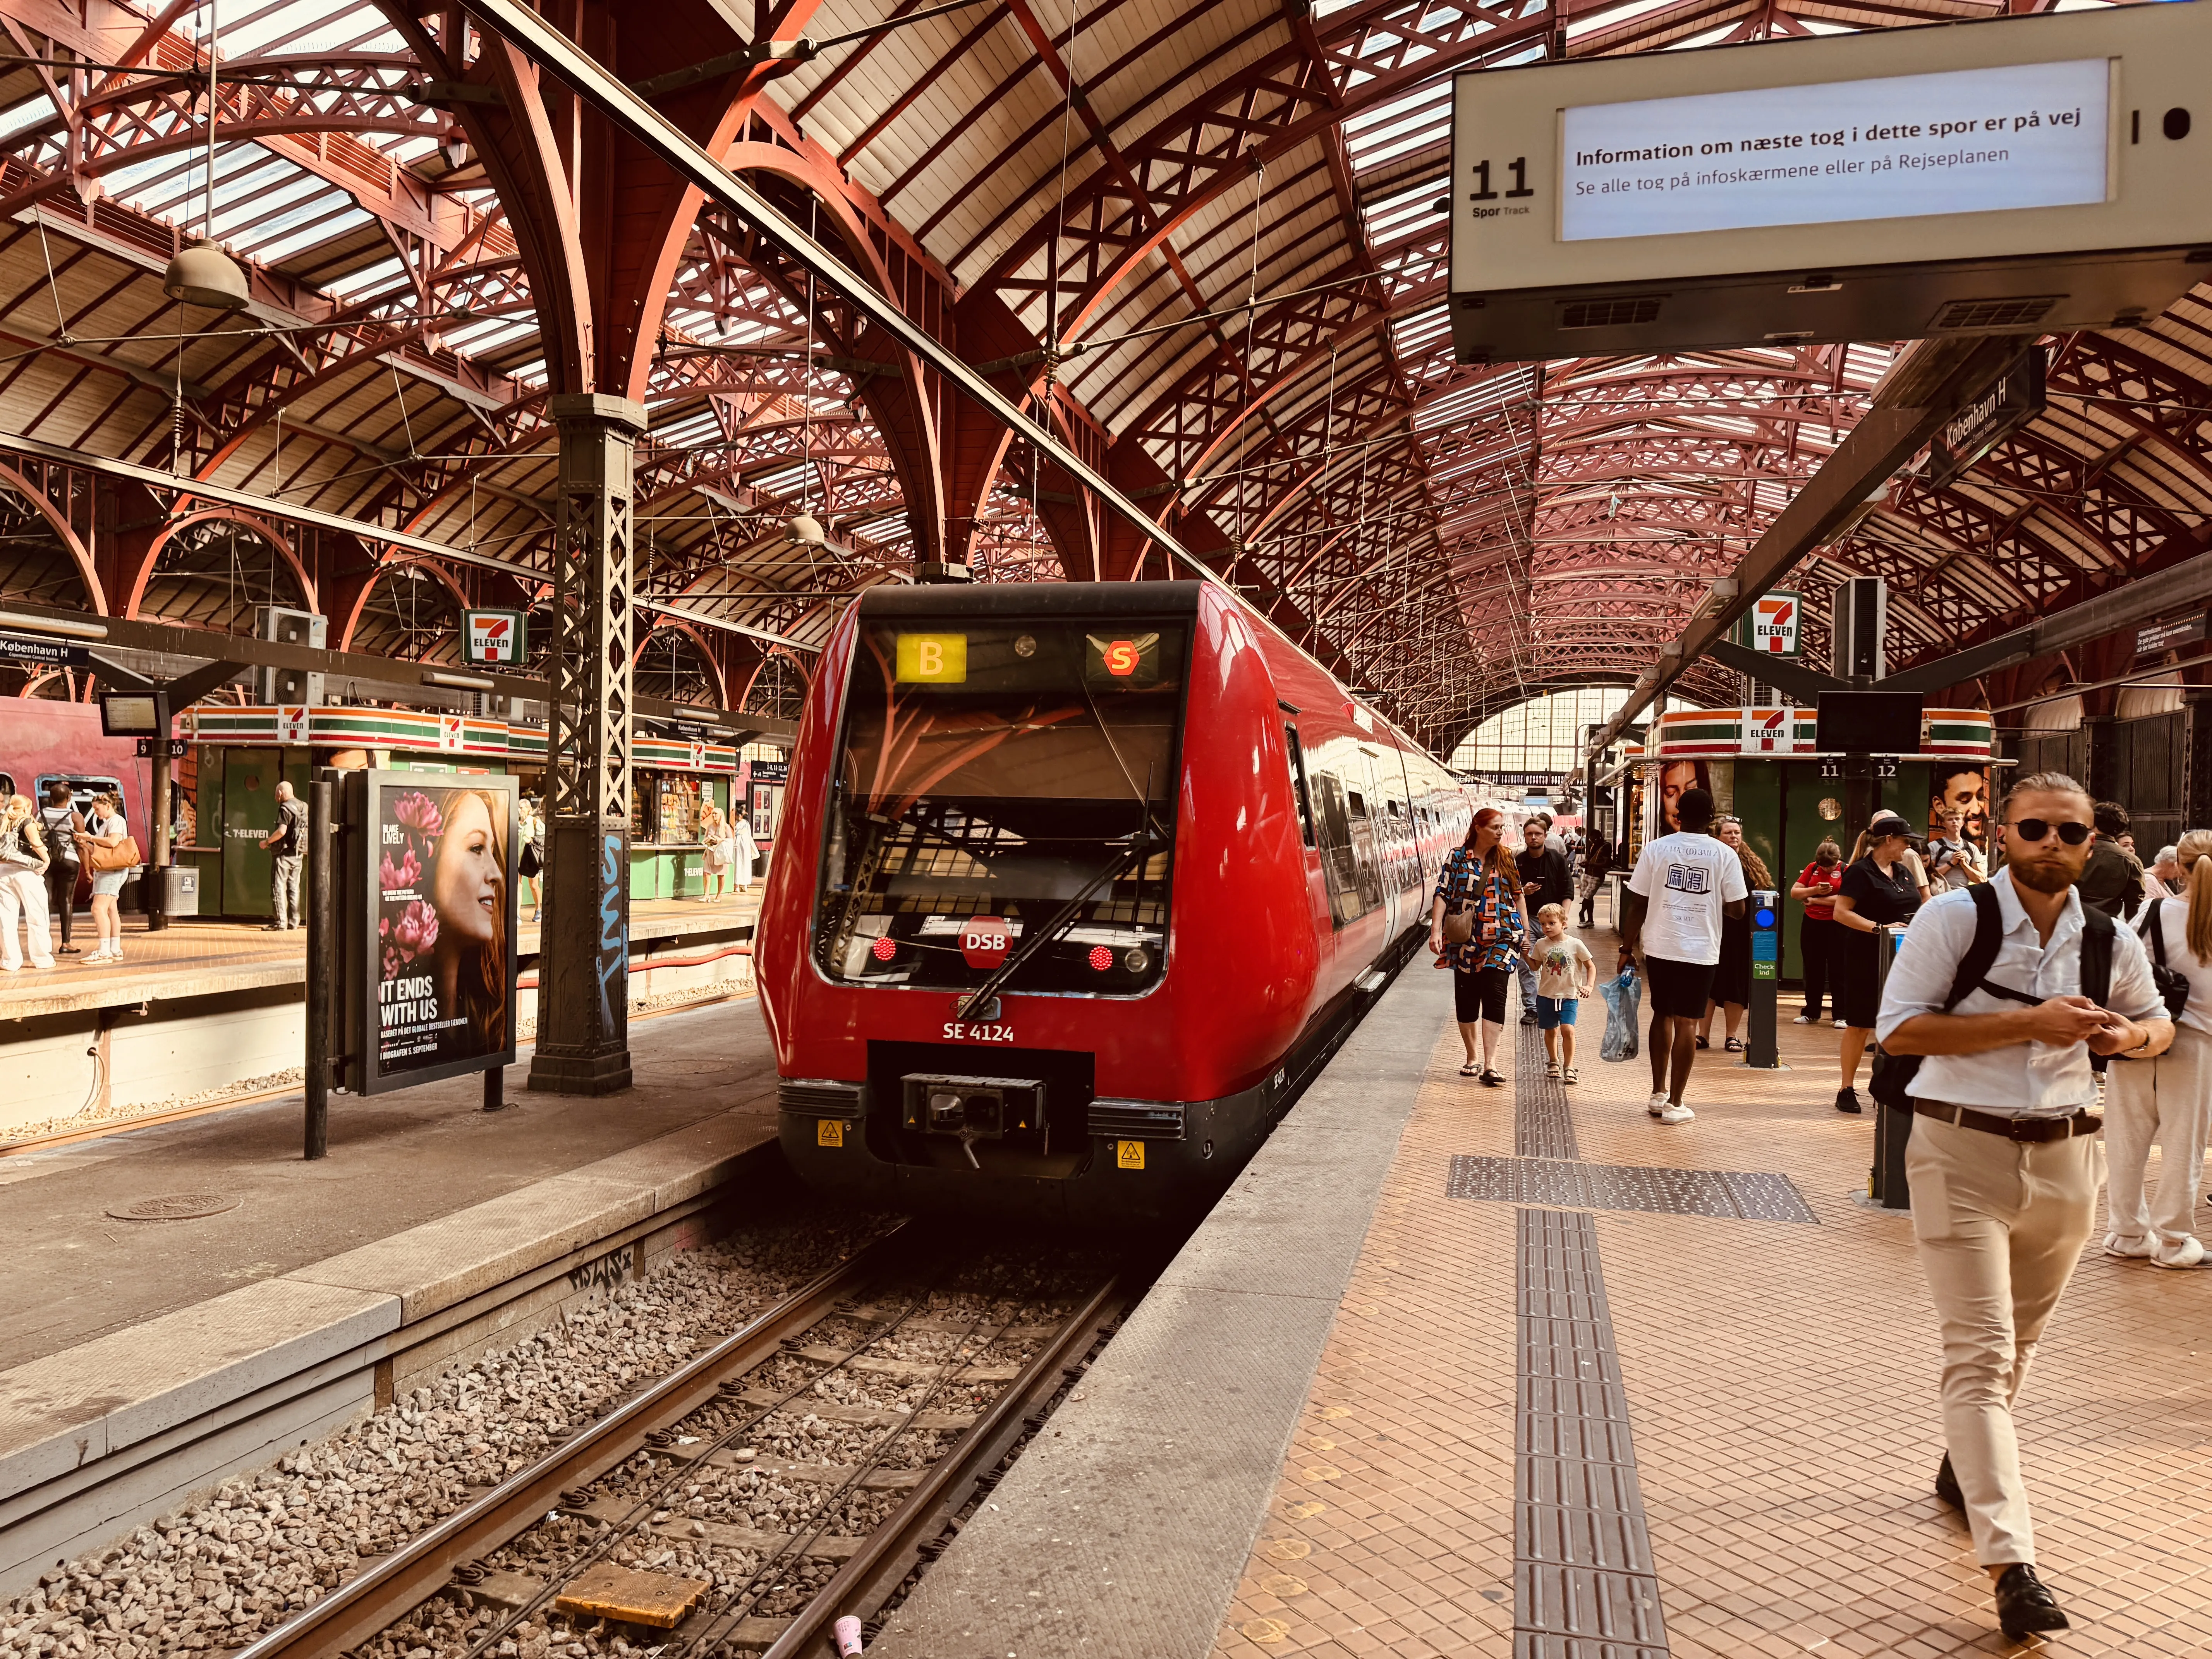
<point x="1079" y="880"/>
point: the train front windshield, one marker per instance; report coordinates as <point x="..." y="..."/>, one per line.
<point x="1005" y="793"/>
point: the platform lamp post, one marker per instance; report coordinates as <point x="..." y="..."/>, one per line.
<point x="583" y="998"/>
<point x="322" y="965"/>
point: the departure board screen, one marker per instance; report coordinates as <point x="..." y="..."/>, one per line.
<point x="1970" y="141"/>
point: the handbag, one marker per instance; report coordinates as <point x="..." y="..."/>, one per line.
<point x="2172" y="984"/>
<point x="124" y="855"/>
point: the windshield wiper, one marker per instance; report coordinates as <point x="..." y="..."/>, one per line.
<point x="1140" y="846"/>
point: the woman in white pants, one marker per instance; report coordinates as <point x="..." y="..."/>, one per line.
<point x="23" y="858"/>
<point x="2168" y="1099"/>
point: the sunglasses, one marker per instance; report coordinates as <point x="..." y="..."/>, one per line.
<point x="2038" y="829"/>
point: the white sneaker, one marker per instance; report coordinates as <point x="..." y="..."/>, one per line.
<point x="1804" y="1019"/>
<point x="2119" y="1244"/>
<point x="2186" y="1253"/>
<point x="1657" y="1104"/>
<point x="1676" y="1115"/>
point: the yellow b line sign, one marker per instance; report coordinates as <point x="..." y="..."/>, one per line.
<point x="933" y="658"/>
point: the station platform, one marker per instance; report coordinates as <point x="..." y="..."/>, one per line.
<point x="1337" y="1429"/>
<point x="204" y="1009"/>
<point x="141" y="1359"/>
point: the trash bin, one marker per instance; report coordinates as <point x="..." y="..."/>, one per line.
<point x="181" y="889"/>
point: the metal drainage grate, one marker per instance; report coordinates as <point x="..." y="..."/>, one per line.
<point x="1726" y="1194"/>
<point x="176" y="1206"/>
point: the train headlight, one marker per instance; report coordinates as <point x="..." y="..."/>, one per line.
<point x="1025" y="646"/>
<point x="883" y="949"/>
<point x="1101" y="957"/>
<point x="1136" y="961"/>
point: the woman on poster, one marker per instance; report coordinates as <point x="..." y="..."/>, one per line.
<point x="443" y="988"/>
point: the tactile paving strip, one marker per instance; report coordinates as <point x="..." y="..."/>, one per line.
<point x="1730" y="1194"/>
<point x="1584" y="1586"/>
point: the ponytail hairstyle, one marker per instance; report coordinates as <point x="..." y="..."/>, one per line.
<point x="2194" y="854"/>
<point x="1498" y="861"/>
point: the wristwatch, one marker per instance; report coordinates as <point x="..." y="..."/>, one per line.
<point x="2137" y="1052"/>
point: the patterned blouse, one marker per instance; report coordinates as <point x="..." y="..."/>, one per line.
<point x="1461" y="880"/>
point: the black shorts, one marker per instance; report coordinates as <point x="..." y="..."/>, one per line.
<point x="1480" y="995"/>
<point x="1678" y="990"/>
<point x="1857" y="980"/>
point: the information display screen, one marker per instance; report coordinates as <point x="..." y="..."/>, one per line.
<point x="1969" y="141"/>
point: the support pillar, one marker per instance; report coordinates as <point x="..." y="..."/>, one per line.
<point x="583" y="997"/>
<point x="2196" y="758"/>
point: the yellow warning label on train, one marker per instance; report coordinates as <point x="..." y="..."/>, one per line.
<point x="828" y="1132"/>
<point x="1129" y="1154"/>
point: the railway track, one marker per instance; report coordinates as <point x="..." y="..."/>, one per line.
<point x="699" y="1518"/>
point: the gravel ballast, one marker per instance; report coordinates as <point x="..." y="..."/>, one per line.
<point x="219" y="1573"/>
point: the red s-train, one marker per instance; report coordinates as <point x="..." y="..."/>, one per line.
<point x="1076" y="882"/>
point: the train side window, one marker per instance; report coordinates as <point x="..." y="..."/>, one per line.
<point x="1358" y="802"/>
<point x="1295" y="754"/>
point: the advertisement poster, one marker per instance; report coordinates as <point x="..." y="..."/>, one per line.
<point x="432" y="926"/>
<point x="1961" y="790"/>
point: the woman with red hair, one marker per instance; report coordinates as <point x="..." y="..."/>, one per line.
<point x="1479" y="881"/>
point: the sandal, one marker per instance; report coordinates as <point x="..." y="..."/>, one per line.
<point x="1552" y="1068"/>
<point x="1571" y="1076"/>
<point x="1733" y="1045"/>
<point x="1469" y="1069"/>
<point x="1492" y="1079"/>
<point x="1704" y="1043"/>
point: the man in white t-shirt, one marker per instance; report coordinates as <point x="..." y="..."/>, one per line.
<point x="1684" y="884"/>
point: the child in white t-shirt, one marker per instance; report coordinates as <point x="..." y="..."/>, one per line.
<point x="1565" y="972"/>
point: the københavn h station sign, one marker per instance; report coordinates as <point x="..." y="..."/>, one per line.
<point x="2018" y="175"/>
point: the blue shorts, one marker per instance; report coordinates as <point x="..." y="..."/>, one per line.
<point x="1556" y="1010"/>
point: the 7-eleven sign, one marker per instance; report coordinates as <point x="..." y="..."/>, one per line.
<point x="494" y="639"/>
<point x="1774" y="625"/>
<point x="1767" y="732"/>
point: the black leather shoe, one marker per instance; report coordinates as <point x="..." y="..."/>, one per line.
<point x="2025" y="1606"/>
<point x="1847" y="1100"/>
<point x="1946" y="1486"/>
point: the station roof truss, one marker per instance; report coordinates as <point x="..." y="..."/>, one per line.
<point x="1203" y="237"/>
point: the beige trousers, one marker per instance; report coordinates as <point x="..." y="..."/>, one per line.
<point x="2168" y="1100"/>
<point x="2000" y="1225"/>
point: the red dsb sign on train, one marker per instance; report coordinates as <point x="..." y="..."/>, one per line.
<point x="984" y="942"/>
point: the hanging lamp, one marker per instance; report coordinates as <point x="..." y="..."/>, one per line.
<point x="202" y="274"/>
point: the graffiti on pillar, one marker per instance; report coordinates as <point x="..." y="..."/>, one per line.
<point x="614" y="935"/>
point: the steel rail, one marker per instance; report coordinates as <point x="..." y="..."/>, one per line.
<point x="865" y="1582"/>
<point x="403" y="1581"/>
<point x="591" y="80"/>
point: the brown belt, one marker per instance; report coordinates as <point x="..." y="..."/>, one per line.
<point x="2012" y="1129"/>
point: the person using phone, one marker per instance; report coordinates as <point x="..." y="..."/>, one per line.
<point x="2003" y="1163"/>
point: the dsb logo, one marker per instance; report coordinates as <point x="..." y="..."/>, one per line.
<point x="985" y="941"/>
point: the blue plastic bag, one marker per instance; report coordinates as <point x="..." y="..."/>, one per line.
<point x="1624" y="1003"/>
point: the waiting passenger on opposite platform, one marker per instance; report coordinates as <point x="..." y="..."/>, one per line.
<point x="2002" y="1164"/>
<point x="1684" y="884"/>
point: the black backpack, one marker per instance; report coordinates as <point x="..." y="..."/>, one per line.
<point x="1893" y="1073"/>
<point x="2172" y="984"/>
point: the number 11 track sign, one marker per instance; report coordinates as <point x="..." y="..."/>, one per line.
<point x="2018" y="175"/>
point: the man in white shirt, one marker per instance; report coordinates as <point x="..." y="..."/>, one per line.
<point x="2003" y="1163"/>
<point x="1683" y="885"/>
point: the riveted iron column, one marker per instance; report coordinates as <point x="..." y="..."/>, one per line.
<point x="583" y="996"/>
